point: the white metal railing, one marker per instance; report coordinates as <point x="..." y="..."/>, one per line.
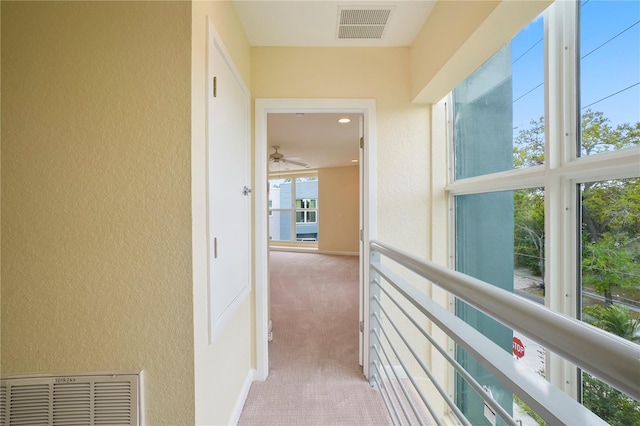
<point x="607" y="357"/>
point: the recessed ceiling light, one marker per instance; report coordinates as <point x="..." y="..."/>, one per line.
<point x="344" y="120"/>
<point x="354" y="161"/>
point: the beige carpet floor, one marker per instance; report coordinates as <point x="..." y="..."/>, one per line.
<point x="314" y="376"/>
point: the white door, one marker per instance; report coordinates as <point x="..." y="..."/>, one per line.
<point x="228" y="179"/>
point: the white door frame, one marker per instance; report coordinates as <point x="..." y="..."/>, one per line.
<point x="366" y="107"/>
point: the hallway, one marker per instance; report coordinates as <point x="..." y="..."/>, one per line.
<point x="314" y="376"/>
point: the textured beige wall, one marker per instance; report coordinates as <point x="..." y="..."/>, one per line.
<point x="457" y="38"/>
<point x="96" y="213"/>
<point x="222" y="367"/>
<point x="0" y="191"/>
<point x="338" y="209"/>
<point x="402" y="127"/>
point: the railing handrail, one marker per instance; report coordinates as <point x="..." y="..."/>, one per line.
<point x="606" y="356"/>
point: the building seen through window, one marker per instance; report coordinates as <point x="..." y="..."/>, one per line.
<point x="293" y="209"/>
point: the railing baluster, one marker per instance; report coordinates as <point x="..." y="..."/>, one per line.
<point x="376" y="381"/>
<point x="389" y="366"/>
<point x="439" y="388"/>
<point x="562" y="335"/>
<point x="415" y="386"/>
<point x="390" y="276"/>
<point x="608" y="357"/>
<point x="395" y="417"/>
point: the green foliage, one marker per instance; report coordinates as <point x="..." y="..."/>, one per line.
<point x="609" y="404"/>
<point x="614" y="319"/>
<point x="599" y="136"/>
<point x="610" y="242"/>
<point x="529" y="229"/>
<point x="529" y="411"/>
<point x="610" y="261"/>
<point x="611" y="207"/>
<point x="528" y="151"/>
<point x="528" y="148"/>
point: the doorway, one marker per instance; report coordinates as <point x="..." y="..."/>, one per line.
<point x="263" y="107"/>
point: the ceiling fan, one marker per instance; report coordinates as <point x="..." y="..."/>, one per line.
<point x="277" y="157"/>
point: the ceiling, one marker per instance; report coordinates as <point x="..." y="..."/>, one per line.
<point x="315" y="23"/>
<point x="317" y="139"/>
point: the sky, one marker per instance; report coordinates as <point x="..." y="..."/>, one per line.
<point x="609" y="47"/>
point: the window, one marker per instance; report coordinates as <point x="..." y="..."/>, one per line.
<point x="306" y="211"/>
<point x="609" y="285"/>
<point x="610" y="281"/>
<point x="542" y="192"/>
<point x="499" y="109"/>
<point x="293" y="209"/>
<point x="609" y="75"/>
<point x="499" y="126"/>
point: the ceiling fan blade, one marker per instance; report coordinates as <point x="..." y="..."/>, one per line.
<point x="297" y="163"/>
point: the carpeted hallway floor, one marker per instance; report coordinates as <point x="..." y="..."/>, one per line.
<point x="314" y="376"/>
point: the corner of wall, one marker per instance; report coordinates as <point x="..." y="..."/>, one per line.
<point x="458" y="37"/>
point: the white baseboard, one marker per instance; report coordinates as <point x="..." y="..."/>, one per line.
<point x="312" y="250"/>
<point x="242" y="398"/>
<point x="294" y="249"/>
<point x="399" y="372"/>
<point x="339" y="253"/>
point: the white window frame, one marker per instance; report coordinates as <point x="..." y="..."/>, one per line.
<point x="562" y="172"/>
<point x="307" y="210"/>
<point x="293" y="208"/>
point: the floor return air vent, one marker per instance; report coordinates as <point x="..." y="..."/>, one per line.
<point x="100" y="399"/>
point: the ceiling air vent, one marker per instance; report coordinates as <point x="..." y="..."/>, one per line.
<point x="362" y="22"/>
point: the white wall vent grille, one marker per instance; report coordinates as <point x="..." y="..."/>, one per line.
<point x="112" y="399"/>
<point x="3" y="405"/>
<point x="362" y="22"/>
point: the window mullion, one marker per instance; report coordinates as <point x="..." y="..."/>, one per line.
<point x="561" y="216"/>
<point x="293" y="221"/>
<point x="509" y="180"/>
